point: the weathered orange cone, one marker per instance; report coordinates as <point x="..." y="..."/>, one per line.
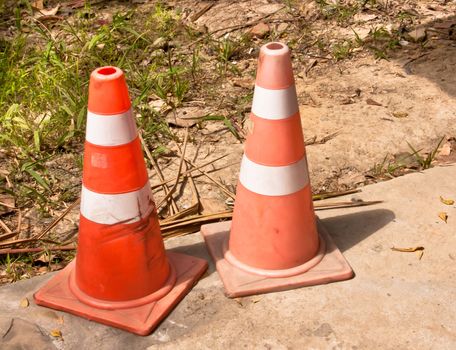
<point x="274" y="243"/>
<point x="122" y="276"/>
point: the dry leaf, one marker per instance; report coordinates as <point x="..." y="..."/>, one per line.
<point x="60" y="320"/>
<point x="24" y="303"/>
<point x="400" y="114"/>
<point x="37" y="4"/>
<point x="56" y="333"/>
<point x="446" y="201"/>
<point x="443" y="216"/>
<point x="408" y="250"/>
<point x="371" y="102"/>
<point x="419" y="250"/>
<point x="50" y="12"/>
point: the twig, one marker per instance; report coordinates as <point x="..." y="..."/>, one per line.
<point x="36" y="250"/>
<point x="182" y="214"/>
<point x="173" y="209"/>
<point x="190" y="171"/>
<point x="5" y="227"/>
<point x="223" y="188"/>
<point x="338" y="205"/>
<point x="173" y="188"/>
<point x="320" y="196"/>
<point x="39" y="236"/>
<point x="7" y="205"/>
<point x="202" y="11"/>
<point x="323" y="140"/>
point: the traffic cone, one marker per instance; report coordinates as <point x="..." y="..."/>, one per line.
<point x="275" y="242"/>
<point x="121" y="276"/>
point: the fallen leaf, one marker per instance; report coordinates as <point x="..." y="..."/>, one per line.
<point x="24" y="303"/>
<point x="51" y="12"/>
<point x="443" y="216"/>
<point x="400" y="114"/>
<point x="37" y="4"/>
<point x="446" y="201"/>
<point x="56" y="333"/>
<point x="371" y="102"/>
<point x="407" y="250"/>
<point x="419" y="250"/>
<point x="60" y="320"/>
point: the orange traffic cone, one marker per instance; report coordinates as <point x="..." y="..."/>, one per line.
<point x="122" y="276"/>
<point x="274" y="243"/>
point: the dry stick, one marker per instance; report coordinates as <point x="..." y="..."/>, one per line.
<point x="173" y="188"/>
<point x="173" y="209"/>
<point x="8" y="235"/>
<point x="46" y="230"/>
<point x="36" y="250"/>
<point x="5" y="227"/>
<point x="223" y="188"/>
<point x="337" y="205"/>
<point x="195" y="195"/>
<point x="19" y="222"/>
<point x="202" y="11"/>
<point x="321" y="196"/>
<point x="189" y="171"/>
<point x="7" y="205"/>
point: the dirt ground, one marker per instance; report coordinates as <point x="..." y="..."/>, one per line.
<point x="370" y="108"/>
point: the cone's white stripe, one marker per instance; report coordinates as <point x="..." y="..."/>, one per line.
<point x="110" y="130"/>
<point x="110" y="209"/>
<point x="274" y="180"/>
<point x="274" y="104"/>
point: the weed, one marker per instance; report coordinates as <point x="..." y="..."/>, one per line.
<point x="44" y="77"/>
<point x="227" y="121"/>
<point x="342" y="50"/>
<point x="388" y="167"/>
<point x="337" y="10"/>
<point x="425" y="161"/>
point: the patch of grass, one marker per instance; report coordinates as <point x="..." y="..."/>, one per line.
<point x="341" y="11"/>
<point x="342" y="50"/>
<point x="44" y="73"/>
<point x="379" y="41"/>
<point x="425" y="160"/>
<point x="389" y="167"/>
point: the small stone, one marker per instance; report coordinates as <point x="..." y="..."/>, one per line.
<point x="260" y="30"/>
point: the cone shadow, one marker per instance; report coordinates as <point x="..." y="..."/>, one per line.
<point x="197" y="250"/>
<point x="350" y="229"/>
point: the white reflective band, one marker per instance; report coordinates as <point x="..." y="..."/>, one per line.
<point x="116" y="208"/>
<point x="274" y="180"/>
<point x="110" y="130"/>
<point x="274" y="104"/>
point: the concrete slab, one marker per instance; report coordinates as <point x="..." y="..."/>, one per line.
<point x="395" y="301"/>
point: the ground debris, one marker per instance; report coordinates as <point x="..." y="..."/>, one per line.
<point x="443" y="216"/>
<point x="446" y="201"/>
<point x="418" y="249"/>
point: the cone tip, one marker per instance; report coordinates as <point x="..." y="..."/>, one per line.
<point x="108" y="92"/>
<point x="106" y="73"/>
<point x="274" y="67"/>
<point x="275" y="48"/>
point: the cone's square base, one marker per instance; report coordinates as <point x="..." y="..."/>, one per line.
<point x="333" y="266"/>
<point x="141" y="320"/>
